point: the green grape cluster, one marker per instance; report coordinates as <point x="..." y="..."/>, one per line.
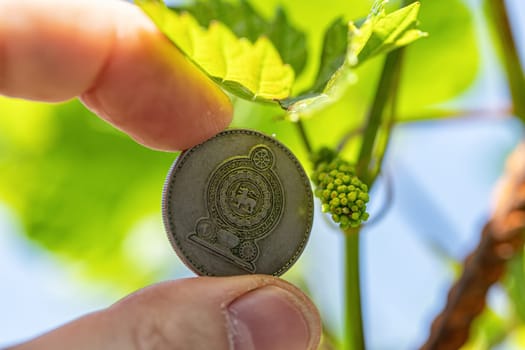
<point x="342" y="193"/>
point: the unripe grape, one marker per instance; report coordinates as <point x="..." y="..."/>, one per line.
<point x="341" y="192"/>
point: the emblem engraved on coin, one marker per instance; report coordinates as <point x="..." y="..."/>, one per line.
<point x="238" y="203"/>
<point x="244" y="199"/>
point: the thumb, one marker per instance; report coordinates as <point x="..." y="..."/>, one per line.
<point x="243" y="312"/>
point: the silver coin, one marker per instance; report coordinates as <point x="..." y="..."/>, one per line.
<point x="238" y="203"/>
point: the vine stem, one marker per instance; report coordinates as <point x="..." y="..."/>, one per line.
<point x="385" y="92"/>
<point x="498" y="15"/>
<point x="355" y="339"/>
<point x="304" y="136"/>
<point x="388" y="83"/>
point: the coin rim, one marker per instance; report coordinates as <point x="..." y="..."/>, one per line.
<point x="167" y="195"/>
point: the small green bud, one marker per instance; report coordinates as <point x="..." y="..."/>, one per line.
<point x="344" y="168"/>
<point x="364" y="196"/>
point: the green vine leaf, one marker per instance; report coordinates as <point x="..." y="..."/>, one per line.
<point x="333" y="54"/>
<point x="245" y="21"/>
<point x="382" y="33"/>
<point x="252" y="71"/>
<point x="379" y="34"/>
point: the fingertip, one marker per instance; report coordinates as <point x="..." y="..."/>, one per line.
<point x="151" y="91"/>
<point x="239" y="312"/>
<point x="274" y="316"/>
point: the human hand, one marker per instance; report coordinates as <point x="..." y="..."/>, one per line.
<point x="111" y="56"/>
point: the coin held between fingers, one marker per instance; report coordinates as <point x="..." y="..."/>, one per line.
<point x="238" y="203"/>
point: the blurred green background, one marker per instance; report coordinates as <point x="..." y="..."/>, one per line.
<point x="80" y="222"/>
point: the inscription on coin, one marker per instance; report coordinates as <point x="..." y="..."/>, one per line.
<point x="238" y="203"/>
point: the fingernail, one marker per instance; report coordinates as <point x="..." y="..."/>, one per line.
<point x="269" y="318"/>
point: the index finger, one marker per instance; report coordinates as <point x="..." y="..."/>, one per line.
<point x="112" y="56"/>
